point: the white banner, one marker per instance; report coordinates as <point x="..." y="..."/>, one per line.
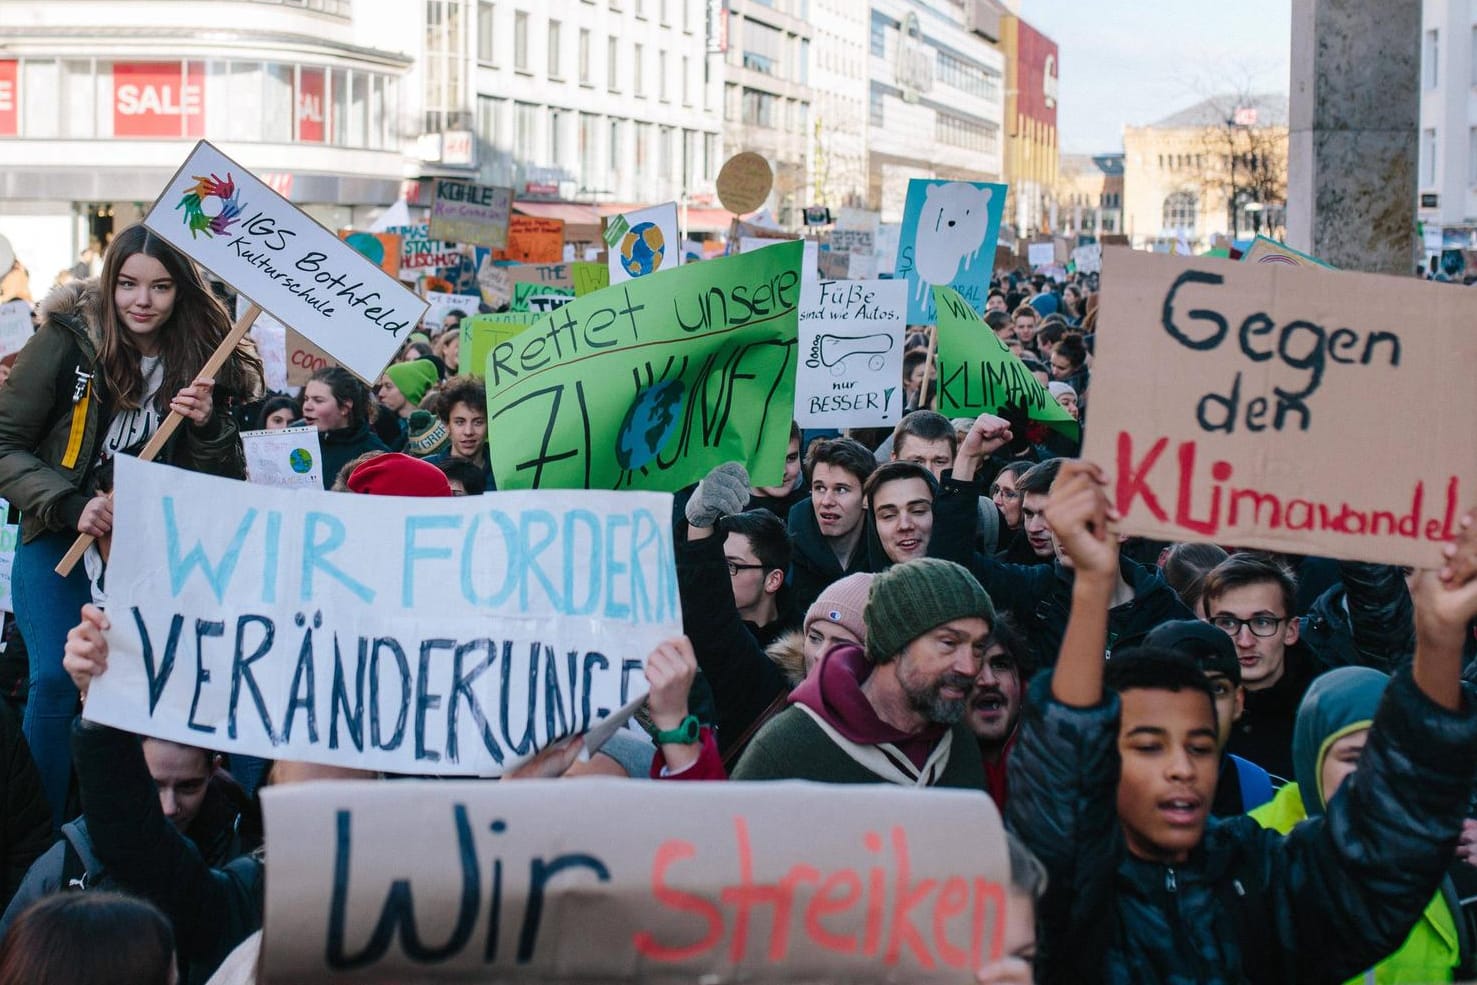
<point x="453" y="636"/>
<point x="288" y="458"/>
<point x="219" y="214"/>
<point x="851" y="353"/>
<point x="15" y="326"/>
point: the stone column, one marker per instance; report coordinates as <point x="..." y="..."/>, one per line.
<point x="1354" y="121"/>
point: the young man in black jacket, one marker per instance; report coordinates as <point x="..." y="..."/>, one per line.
<point x="1112" y="792"/>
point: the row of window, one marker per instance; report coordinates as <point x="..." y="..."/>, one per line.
<point x="1430" y="152"/>
<point x="950" y="68"/>
<point x="772" y="51"/>
<point x="1105" y="200"/>
<point x="967" y="134"/>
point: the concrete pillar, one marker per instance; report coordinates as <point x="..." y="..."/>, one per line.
<point x="1354" y="121"/>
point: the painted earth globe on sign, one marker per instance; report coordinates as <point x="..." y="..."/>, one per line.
<point x="650" y="422"/>
<point x="301" y="461"/>
<point x="642" y="249"/>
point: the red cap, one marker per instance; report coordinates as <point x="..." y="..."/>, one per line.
<point x="398" y="475"/>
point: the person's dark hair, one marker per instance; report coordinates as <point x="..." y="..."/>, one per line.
<point x="92" y="938"/>
<point x="794" y="431"/>
<point x="274" y="404"/>
<point x="1049" y="335"/>
<point x="1038" y="478"/>
<point x="1025" y="309"/>
<point x="841" y="453"/>
<point x="469" y="474"/>
<point x="1035" y="365"/>
<point x="1149" y="668"/>
<point x="421" y="349"/>
<point x="917" y="340"/>
<point x="894" y="472"/>
<point x="1017" y="468"/>
<point x="1246" y="568"/>
<point x="196" y="325"/>
<point x="767" y="535"/>
<point x="1073" y="349"/>
<point x="1008" y="635"/>
<point x="1185" y="567"/>
<point x="346" y="388"/>
<point x="997" y="319"/>
<point x="926" y="425"/>
<point x="912" y="361"/>
<point x="469" y="390"/>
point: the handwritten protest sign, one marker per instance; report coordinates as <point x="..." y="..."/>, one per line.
<point x="1088" y="258"/>
<point x="1040" y="254"/>
<point x="494" y="284"/>
<point x="304" y="359"/>
<point x="463" y="212"/>
<point x="589" y="277"/>
<point x="219" y="214"/>
<point x="450" y="636"/>
<point x="270" y="336"/>
<point x="853" y="240"/>
<point x="533" y="239"/>
<point x="10" y="537"/>
<point x="419" y="252"/>
<point x="440" y="305"/>
<point x="549" y="274"/>
<point x="851" y="353"/>
<point x="878" y="885"/>
<point x="948" y="240"/>
<point x="481" y="332"/>
<point x="744" y="182"/>
<point x="15" y="326"/>
<point x="539" y="298"/>
<point x="288" y="458"/>
<point x="648" y="243"/>
<point x="1286" y="409"/>
<point x="381" y="249"/>
<point x="1265" y="250"/>
<point x="978" y="374"/>
<point x="651" y="383"/>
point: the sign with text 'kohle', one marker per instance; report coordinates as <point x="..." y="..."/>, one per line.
<point x="454" y="636"/>
<point x="218" y="213"/>
<point x="610" y="881"/>
<point x="1306" y="411"/>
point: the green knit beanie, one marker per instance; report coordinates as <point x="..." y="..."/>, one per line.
<point x="413" y="378"/>
<point x="909" y="599"/>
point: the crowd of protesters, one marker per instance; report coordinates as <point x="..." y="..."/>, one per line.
<point x="1268" y="779"/>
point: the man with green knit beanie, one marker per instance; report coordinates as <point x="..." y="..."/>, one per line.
<point x="404" y="385"/>
<point x="893" y="712"/>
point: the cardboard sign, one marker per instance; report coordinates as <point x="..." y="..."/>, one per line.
<point x="540" y="298"/>
<point x="481" y="332"/>
<point x="10" y="538"/>
<point x="463" y="212"/>
<point x="15" y="326"/>
<point x="651" y="383"/>
<point x="948" y="240"/>
<point x="1243" y="403"/>
<point x="420" y="252"/>
<point x="546" y="274"/>
<point x="744" y="182"/>
<point x="494" y="284"/>
<point x="453" y="636"/>
<point x="978" y="374"/>
<point x="304" y="359"/>
<point x="532" y="239"/>
<point x="288" y="458"/>
<point x="609" y="881"/>
<point x="1265" y="250"/>
<point x="650" y="243"/>
<point x="851" y="353"/>
<point x="589" y="277"/>
<point x="220" y="215"/>
<point x="440" y="305"/>
<point x="382" y="249"/>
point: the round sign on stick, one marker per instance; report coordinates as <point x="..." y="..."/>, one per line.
<point x="744" y="182"/>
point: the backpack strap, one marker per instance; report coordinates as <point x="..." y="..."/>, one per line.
<point x="736" y="750"/>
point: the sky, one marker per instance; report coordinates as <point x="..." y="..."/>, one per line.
<point x="1131" y="62"/>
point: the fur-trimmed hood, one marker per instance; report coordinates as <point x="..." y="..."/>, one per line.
<point x="788" y="653"/>
<point x="79" y="304"/>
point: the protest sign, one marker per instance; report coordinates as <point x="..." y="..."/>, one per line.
<point x="851" y="353"/>
<point x="1040" y="254"/>
<point x="649" y="243"/>
<point x="15" y="326"/>
<point x="440" y="305"/>
<point x="463" y="212"/>
<point x="270" y="336"/>
<point x="532" y="239"/>
<point x="220" y="215"/>
<point x="548" y="274"/>
<point x="744" y="182"/>
<point x="948" y="240"/>
<point x="451" y="636"/>
<point x="1283" y="408"/>
<point x="651" y="383"/>
<point x="615" y="882"/>
<point x="10" y="536"/>
<point x="888" y="236"/>
<point x="978" y="374"/>
<point x="420" y="253"/>
<point x="381" y="249"/>
<point x="1089" y="258"/>
<point x="304" y="359"/>
<point x="481" y="332"/>
<point x="540" y="298"/>
<point x="853" y="240"/>
<point x="834" y="266"/>
<point x="288" y="458"/>
<point x="589" y="277"/>
<point x="494" y="284"/>
<point x="857" y="219"/>
<point x="1265" y="250"/>
<point x="861" y="266"/>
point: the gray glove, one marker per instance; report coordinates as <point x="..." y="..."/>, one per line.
<point x="723" y="491"/>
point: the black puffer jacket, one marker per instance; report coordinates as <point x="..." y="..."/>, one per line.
<point x="1367" y="620"/>
<point x="1249" y="905"/>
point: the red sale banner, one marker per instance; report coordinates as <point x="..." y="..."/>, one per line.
<point x="8" y="98"/>
<point x="311" y="108"/>
<point x="158" y="99"/>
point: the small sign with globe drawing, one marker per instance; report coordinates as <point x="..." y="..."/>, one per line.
<point x="288" y="458"/>
<point x="643" y="242"/>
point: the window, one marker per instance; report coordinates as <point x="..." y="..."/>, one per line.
<point x="964" y="75"/>
<point x="1431" y="59"/>
<point x="664" y="153"/>
<point x="881" y="23"/>
<point x="520" y="41"/>
<point x="612" y="64"/>
<point x="616" y="159"/>
<point x="643" y="139"/>
<point x="555" y="32"/>
<point x="1181" y="211"/>
<point x="686" y="81"/>
<point x="641" y="9"/>
<point x="764" y="48"/>
<point x="876" y="117"/>
<point x="710" y="156"/>
<point x="556" y="137"/>
<point x="686" y="15"/>
<point x="661" y="77"/>
<point x="638" y="81"/>
<point x="589" y="150"/>
<point x="525" y="123"/>
<point x="665" y="14"/>
<point x="1428" y="158"/>
<point x="486" y="51"/>
<point x="958" y="131"/>
<point x="758" y="108"/>
<point x="584" y="56"/>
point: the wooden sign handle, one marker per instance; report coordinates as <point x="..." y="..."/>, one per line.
<point x="928" y="368"/>
<point x="170" y="424"/>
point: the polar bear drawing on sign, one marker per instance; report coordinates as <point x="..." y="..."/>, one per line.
<point x="951" y="228"/>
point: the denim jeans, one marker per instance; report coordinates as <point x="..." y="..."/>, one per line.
<point x="46" y="607"/>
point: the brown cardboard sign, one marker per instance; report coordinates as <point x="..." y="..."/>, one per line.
<point x="615" y="881"/>
<point x="744" y="182"/>
<point x="546" y="274"/>
<point x="304" y="358"/>
<point x="1306" y="411"/>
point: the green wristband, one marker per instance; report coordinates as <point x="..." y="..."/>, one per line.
<point x="684" y="734"/>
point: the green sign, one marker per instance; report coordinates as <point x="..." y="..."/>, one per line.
<point x="651" y="383"/>
<point x="978" y="374"/>
<point x="538" y="298"/>
<point x="589" y="277"/>
<point x="481" y="332"/>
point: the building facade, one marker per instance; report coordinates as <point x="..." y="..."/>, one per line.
<point x="838" y="82"/>
<point x="767" y="94"/>
<point x="1089" y="194"/>
<point x="1032" y="151"/>
<point x="936" y="99"/>
<point x="1447" y="167"/>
